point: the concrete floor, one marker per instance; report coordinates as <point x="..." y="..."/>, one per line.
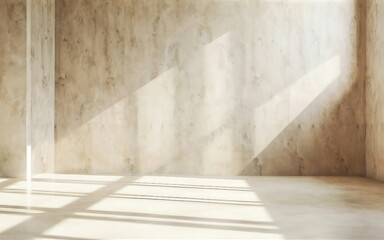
<point x="116" y="207"/>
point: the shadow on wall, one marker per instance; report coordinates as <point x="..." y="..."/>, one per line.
<point x="137" y="93"/>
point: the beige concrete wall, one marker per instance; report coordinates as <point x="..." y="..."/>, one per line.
<point x="375" y="90"/>
<point x="209" y="87"/>
<point x="12" y="87"/>
<point x="42" y="58"/>
<point x="26" y="86"/>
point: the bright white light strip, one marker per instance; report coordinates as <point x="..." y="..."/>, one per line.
<point x="28" y="104"/>
<point x="29" y="163"/>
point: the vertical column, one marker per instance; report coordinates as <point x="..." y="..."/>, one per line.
<point x="375" y="90"/>
<point x="28" y="103"/>
<point x="12" y="87"/>
<point x="26" y="87"/>
<point x="40" y="86"/>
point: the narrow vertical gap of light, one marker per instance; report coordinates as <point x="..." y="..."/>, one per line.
<point x="28" y="92"/>
<point x="53" y="34"/>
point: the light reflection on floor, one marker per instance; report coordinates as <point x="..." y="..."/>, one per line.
<point x="119" y="207"/>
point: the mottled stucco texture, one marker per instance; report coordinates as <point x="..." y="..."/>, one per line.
<point x="208" y="87"/>
<point x="42" y="58"/>
<point x="375" y="90"/>
<point x="12" y="87"/>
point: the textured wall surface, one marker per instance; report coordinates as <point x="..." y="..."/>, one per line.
<point x="209" y="87"/>
<point x="12" y="87"/>
<point x="375" y="89"/>
<point x="42" y="58"/>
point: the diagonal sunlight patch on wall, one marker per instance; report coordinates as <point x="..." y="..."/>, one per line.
<point x="219" y="84"/>
<point x="147" y="117"/>
<point x="156" y="126"/>
<point x="273" y="116"/>
<point x="101" y="142"/>
<point x="218" y="106"/>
